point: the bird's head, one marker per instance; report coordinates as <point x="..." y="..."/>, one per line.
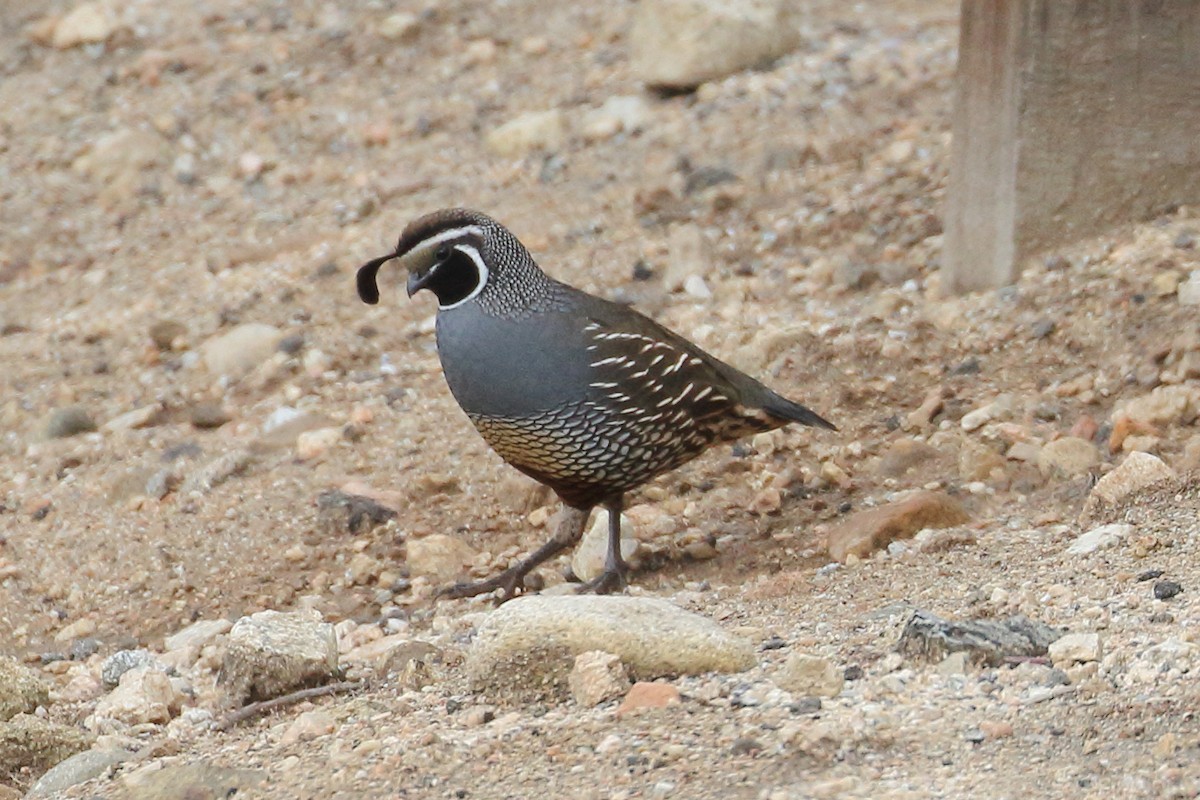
<point x="451" y="253"/>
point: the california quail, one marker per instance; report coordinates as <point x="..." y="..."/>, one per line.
<point x="586" y="396"/>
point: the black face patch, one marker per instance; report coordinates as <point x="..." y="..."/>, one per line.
<point x="454" y="279"/>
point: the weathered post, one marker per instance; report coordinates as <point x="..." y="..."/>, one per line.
<point x="1071" y="116"/>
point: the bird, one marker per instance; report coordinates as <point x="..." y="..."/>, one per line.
<point x="586" y="396"/>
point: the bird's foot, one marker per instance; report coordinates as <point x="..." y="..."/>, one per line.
<point x="510" y="581"/>
<point x="611" y="580"/>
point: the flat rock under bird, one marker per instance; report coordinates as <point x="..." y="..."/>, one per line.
<point x="586" y="396"/>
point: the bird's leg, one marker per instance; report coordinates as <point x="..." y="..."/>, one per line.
<point x="567" y="532"/>
<point x="615" y="568"/>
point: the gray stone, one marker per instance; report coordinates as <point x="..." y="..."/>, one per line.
<point x="21" y="689"/>
<point x="986" y="642"/>
<point x="680" y="44"/>
<point x="121" y="662"/>
<point x="527" y="647"/>
<point x="70" y="421"/>
<point x="75" y="770"/>
<point x="273" y="652"/>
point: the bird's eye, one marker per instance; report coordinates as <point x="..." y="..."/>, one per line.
<point x="442" y="253"/>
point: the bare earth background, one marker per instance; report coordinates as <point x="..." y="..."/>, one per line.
<point x="225" y="164"/>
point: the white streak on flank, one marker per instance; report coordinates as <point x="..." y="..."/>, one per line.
<point x="678" y="365"/>
<point x="609" y="360"/>
<point x="641" y="374"/>
<point x="657" y="359"/>
<point x="703" y="393"/>
<point x="603" y="385"/>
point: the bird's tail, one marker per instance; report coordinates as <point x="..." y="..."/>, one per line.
<point x="781" y="407"/>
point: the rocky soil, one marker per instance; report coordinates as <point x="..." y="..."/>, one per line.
<point x="223" y="478"/>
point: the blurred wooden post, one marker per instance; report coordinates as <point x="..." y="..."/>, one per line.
<point x="1071" y="116"/>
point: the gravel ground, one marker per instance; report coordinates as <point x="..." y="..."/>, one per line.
<point x="187" y="371"/>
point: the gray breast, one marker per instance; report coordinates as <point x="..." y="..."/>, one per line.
<point x="513" y="368"/>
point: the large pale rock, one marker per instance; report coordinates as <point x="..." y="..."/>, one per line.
<point x="238" y="351"/>
<point x="440" y="556"/>
<point x="273" y="652"/>
<point x="535" y="131"/>
<point x="811" y="676"/>
<point x="1137" y="472"/>
<point x="527" y="647"/>
<point x="1068" y="457"/>
<point x="30" y="743"/>
<point x="589" y="557"/>
<point x="680" y="44"/>
<point x="866" y="531"/>
<point x="144" y="694"/>
<point x="21" y="689"/>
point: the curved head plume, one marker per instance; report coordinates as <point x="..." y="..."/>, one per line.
<point x="442" y="252"/>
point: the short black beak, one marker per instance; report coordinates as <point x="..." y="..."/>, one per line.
<point x="368" y="289"/>
<point x="418" y="282"/>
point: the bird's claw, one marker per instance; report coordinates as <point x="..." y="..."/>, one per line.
<point x="608" y="581"/>
<point x="510" y="581"/>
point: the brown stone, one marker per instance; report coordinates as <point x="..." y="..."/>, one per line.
<point x="904" y="455"/>
<point x="644" y="694"/>
<point x="866" y="531"/>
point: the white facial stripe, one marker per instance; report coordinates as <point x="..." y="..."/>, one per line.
<point x="473" y="254"/>
<point x="452" y="233"/>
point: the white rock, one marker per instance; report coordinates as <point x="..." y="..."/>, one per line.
<point x="680" y="44"/>
<point x="696" y="287"/>
<point x="308" y="726"/>
<point x="273" y="652"/>
<point x="527" y="647"/>
<point x="144" y="694"/>
<point x="597" y="676"/>
<point x="588" y="561"/>
<point x="312" y="444"/>
<point x="1101" y="538"/>
<point x="198" y="634"/>
<point x="1138" y="471"/>
<point x="537" y="130"/>
<point x="237" y="352"/>
<point x="811" y="676"/>
<point x="399" y="27"/>
<point x="624" y="113"/>
<point x="1076" y="648"/>
<point x="1189" y="290"/>
<point x="87" y="23"/>
<point x="143" y="417"/>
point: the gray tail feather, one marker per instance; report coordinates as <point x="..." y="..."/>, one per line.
<point x="783" y="408"/>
